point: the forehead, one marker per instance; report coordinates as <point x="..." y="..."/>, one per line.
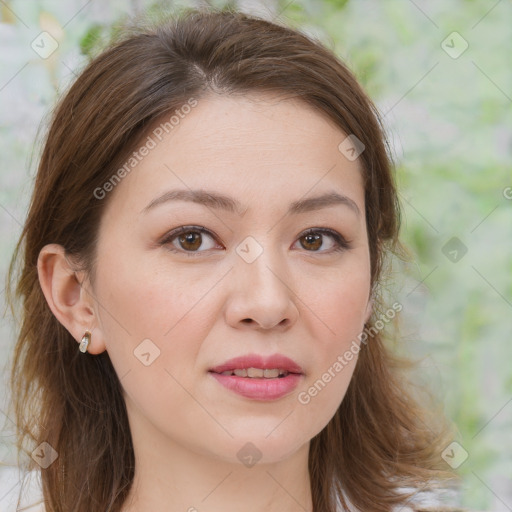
<point x="256" y="121"/>
<point x="255" y="145"/>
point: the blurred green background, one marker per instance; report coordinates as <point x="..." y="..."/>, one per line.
<point x="440" y="72"/>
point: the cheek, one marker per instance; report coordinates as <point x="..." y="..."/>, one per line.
<point x="148" y="316"/>
<point x="147" y="300"/>
<point x="339" y="302"/>
<point x="337" y="315"/>
<point x="336" y="356"/>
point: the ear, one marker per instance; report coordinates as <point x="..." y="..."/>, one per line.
<point x="66" y="295"/>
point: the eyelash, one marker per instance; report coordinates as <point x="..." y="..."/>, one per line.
<point x="341" y="243"/>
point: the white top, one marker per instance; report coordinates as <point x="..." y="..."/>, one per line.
<point x="13" y="480"/>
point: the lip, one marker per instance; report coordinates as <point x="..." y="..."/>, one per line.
<point x="259" y="388"/>
<point x="256" y="361"/>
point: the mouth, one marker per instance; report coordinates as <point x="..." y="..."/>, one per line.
<point x="258" y="378"/>
<point x="255" y="366"/>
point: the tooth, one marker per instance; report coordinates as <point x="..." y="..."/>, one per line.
<point x="257" y="373"/>
<point x="254" y="372"/>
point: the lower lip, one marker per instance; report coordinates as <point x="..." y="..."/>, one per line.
<point x="259" y="388"/>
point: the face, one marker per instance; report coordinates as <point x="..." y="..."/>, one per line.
<point x="187" y="282"/>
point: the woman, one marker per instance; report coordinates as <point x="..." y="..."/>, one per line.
<point x="199" y="270"/>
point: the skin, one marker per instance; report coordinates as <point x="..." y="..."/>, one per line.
<point x="307" y="302"/>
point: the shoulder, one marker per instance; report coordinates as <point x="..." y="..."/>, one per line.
<point x="25" y="486"/>
<point x="421" y="501"/>
<point x="440" y="508"/>
<point x="432" y="501"/>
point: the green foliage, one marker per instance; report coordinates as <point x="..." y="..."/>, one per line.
<point x="91" y="39"/>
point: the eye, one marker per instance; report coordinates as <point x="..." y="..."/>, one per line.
<point x="188" y="239"/>
<point x="312" y="240"/>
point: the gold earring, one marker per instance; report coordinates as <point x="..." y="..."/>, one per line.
<point x="86" y="339"/>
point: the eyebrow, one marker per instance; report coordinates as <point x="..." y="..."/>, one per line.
<point x="222" y="202"/>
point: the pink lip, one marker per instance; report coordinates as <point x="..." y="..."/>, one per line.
<point x="259" y="388"/>
<point x="257" y="361"/>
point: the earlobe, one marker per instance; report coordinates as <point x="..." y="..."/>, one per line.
<point x="66" y="297"/>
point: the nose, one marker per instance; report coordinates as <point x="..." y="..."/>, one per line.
<point x="261" y="295"/>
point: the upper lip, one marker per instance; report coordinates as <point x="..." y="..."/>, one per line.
<point x="278" y="361"/>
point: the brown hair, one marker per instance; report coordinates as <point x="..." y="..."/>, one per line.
<point x="379" y="440"/>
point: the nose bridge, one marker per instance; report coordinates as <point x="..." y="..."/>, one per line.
<point x="260" y="264"/>
<point x="261" y="290"/>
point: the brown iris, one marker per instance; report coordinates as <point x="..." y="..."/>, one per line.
<point x="190" y="237"/>
<point x="316" y="240"/>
